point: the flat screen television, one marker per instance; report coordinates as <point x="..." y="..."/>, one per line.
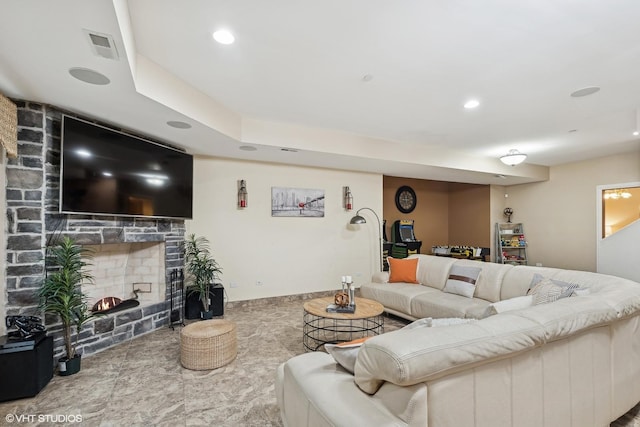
<point x="107" y="172"/>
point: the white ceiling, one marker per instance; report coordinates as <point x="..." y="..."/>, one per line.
<point x="294" y="78"/>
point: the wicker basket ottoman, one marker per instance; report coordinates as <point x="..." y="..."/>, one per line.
<point x="208" y="344"/>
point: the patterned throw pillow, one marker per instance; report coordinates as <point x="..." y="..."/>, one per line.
<point x="568" y="288"/>
<point x="462" y="280"/>
<point x="546" y="291"/>
<point x="403" y="270"/>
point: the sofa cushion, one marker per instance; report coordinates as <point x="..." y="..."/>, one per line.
<point x="489" y="283"/>
<point x="403" y="270"/>
<point x="314" y="391"/>
<point x="517" y="280"/>
<point x="462" y="280"/>
<point x="567" y="316"/>
<point x="433" y="271"/>
<point x="511" y="304"/>
<point x="441" y="304"/>
<point x="407" y="357"/>
<point x="396" y="296"/>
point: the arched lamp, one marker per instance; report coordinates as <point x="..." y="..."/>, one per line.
<point x="358" y="219"/>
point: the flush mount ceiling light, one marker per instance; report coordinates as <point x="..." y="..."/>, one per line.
<point x="223" y="37"/>
<point x="585" y="91"/>
<point x="513" y="157"/>
<point x="472" y="103"/>
<point x="89" y="76"/>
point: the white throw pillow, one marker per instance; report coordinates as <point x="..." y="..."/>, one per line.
<point x="462" y="280"/>
<point x="510" y="304"/>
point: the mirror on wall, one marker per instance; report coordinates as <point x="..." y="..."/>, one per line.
<point x="620" y="207"/>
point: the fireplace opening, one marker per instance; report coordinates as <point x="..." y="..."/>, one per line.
<point x="112" y="304"/>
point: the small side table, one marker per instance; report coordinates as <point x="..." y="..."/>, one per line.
<point x="208" y="344"/>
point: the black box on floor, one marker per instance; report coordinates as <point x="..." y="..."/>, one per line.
<point x="193" y="306"/>
<point x="25" y="367"/>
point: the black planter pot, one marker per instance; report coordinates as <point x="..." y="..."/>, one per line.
<point x="193" y="306"/>
<point x="71" y="366"/>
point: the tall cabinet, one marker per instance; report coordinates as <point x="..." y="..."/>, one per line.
<point x="511" y="243"/>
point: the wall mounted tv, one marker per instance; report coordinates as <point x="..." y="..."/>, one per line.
<point x="107" y="172"/>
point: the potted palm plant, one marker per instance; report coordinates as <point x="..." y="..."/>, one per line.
<point x="202" y="270"/>
<point x="62" y="296"/>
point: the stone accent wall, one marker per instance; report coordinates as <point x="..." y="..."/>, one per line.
<point x="33" y="221"/>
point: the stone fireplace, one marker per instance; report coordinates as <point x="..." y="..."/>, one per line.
<point x="132" y="253"/>
<point x="127" y="271"/>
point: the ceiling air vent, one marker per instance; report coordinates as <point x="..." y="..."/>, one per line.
<point x="102" y="45"/>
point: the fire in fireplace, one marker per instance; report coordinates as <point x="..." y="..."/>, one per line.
<point x="112" y="304"/>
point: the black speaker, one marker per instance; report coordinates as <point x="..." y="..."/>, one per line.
<point x="25" y="370"/>
<point x="193" y="306"/>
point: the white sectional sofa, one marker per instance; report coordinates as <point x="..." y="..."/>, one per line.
<point x="571" y="362"/>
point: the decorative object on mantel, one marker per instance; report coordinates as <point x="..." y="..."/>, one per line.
<point x="9" y="126"/>
<point x="508" y="212"/>
<point x="243" y="201"/>
<point x="61" y="295"/>
<point x="348" y="199"/>
<point x="202" y="270"/>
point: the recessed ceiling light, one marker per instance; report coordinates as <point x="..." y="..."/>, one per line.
<point x="585" y="91"/>
<point x="223" y="37"/>
<point x="89" y="76"/>
<point x="367" y="78"/>
<point x="247" y="148"/>
<point x="472" y="103"/>
<point x="178" y="125"/>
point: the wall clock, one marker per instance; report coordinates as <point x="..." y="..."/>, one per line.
<point x="406" y="199"/>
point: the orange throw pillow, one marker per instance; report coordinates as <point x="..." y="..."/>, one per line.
<point x="403" y="270"/>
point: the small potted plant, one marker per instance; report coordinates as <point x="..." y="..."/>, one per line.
<point x="61" y="295"/>
<point x="202" y="270"/>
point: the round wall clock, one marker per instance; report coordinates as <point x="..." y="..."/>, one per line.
<point x="406" y="199"/>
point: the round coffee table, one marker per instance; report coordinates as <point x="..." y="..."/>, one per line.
<point x="321" y="327"/>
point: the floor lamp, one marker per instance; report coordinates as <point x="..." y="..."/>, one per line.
<point x="358" y="219"/>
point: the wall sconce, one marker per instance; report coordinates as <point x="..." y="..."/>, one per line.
<point x="348" y="199"/>
<point x="242" y="195"/>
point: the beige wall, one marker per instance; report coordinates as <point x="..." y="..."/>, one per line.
<point x="469" y="214"/>
<point x="445" y="214"/>
<point x="287" y="255"/>
<point x="431" y="214"/>
<point x="559" y="215"/>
